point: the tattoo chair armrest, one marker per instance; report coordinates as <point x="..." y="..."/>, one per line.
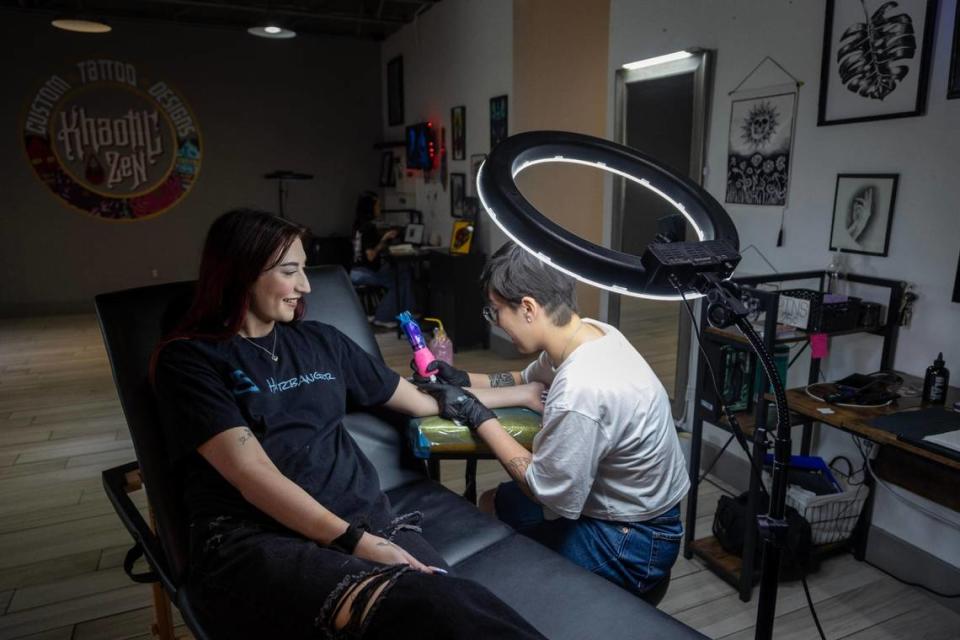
<point x="119" y="482"/>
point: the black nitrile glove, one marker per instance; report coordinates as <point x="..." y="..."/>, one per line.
<point x="459" y="405"/>
<point x="446" y="374"/>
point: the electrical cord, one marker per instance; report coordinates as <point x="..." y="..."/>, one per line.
<point x="716" y="459"/>
<point x="731" y="419"/>
<point x="911" y="503"/>
<point x="769" y="367"/>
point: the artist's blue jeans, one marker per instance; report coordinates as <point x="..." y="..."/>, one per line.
<point x="634" y="555"/>
<point x="386" y="277"/>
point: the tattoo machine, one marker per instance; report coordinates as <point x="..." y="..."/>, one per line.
<point x="422" y="356"/>
<point x="441" y="346"/>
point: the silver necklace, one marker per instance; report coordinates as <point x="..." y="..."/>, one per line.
<point x="272" y="352"/>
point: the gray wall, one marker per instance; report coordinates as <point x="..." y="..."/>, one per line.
<point x="309" y="104"/>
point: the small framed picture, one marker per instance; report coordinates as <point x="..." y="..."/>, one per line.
<point x="413" y="233"/>
<point x="498" y="120"/>
<point x="458" y="132"/>
<point x="876" y="57"/>
<point x="475" y="161"/>
<point x="462" y="236"/>
<point x="458" y="192"/>
<point x="387" y="176"/>
<point x="863" y="213"/>
<point x="953" y="80"/>
<point x="956" y="283"/>
<point x="395" y="91"/>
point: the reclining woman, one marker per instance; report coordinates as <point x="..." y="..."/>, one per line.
<point x="603" y="484"/>
<point x="291" y="536"/>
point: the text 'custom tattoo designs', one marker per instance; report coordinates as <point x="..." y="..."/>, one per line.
<point x="504" y="379"/>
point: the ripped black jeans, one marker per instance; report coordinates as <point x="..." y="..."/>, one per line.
<point x="256" y="580"/>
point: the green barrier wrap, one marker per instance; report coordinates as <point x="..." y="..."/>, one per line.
<point x="438" y="435"/>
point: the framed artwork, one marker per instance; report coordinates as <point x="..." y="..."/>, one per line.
<point x="458" y="183"/>
<point x="956" y="283"/>
<point x="387" y="176"/>
<point x="471" y="208"/>
<point x="876" y="57"/>
<point x="953" y="80"/>
<point x="758" y="151"/>
<point x="475" y="161"/>
<point x="458" y="132"/>
<point x="863" y="213"/>
<point x="395" y="91"/>
<point x="498" y="120"/>
<point x="461" y="237"/>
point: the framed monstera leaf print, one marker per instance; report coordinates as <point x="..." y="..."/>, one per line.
<point x="876" y="56"/>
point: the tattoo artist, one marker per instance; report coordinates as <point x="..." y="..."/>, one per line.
<point x="606" y="476"/>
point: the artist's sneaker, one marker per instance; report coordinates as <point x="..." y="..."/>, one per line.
<point x="389" y="324"/>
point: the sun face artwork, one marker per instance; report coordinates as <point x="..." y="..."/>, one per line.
<point x="758" y="157"/>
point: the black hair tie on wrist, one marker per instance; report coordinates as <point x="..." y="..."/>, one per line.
<point x="348" y="540"/>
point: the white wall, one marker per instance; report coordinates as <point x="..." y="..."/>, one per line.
<point x="460" y="52"/>
<point x="925" y="238"/>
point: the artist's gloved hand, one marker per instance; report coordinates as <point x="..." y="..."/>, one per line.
<point x="459" y="405"/>
<point x="446" y="374"/>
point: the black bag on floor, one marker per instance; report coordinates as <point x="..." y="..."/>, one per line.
<point x="730" y="524"/>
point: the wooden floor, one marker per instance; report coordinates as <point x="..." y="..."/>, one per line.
<point x="61" y="546"/>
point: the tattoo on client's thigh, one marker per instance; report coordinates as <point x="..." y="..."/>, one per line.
<point x="504" y="379"/>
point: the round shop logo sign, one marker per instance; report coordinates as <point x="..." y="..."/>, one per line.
<point x="110" y="142"/>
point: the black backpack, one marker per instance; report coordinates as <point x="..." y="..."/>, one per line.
<point x="729" y="528"/>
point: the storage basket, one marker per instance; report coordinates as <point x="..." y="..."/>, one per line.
<point x="832" y="517"/>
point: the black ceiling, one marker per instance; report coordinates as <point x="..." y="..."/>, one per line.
<point x="365" y="19"/>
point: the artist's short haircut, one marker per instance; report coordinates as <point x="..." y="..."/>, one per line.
<point x="513" y="273"/>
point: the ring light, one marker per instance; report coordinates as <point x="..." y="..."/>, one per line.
<point x="614" y="271"/>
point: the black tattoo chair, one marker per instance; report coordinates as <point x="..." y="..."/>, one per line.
<point x="559" y="598"/>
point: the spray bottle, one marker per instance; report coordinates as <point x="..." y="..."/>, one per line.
<point x="441" y="346"/>
<point x="421" y="354"/>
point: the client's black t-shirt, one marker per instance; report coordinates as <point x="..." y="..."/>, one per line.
<point x="295" y="408"/>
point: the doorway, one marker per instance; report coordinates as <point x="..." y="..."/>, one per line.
<point x="661" y="110"/>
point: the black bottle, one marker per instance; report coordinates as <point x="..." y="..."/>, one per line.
<point x="935" y="382"/>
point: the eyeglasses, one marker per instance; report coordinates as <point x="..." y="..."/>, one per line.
<point x="490" y="314"/>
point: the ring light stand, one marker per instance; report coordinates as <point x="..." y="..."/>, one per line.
<point x="666" y="271"/>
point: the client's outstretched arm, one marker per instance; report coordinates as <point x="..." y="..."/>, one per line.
<point x="408" y="399"/>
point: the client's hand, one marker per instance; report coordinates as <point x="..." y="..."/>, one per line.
<point x="459" y="405"/>
<point x="377" y="549"/>
<point x="537" y="394"/>
<point x="446" y="374"/>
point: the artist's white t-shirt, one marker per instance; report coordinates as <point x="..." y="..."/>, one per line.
<point x="608" y="447"/>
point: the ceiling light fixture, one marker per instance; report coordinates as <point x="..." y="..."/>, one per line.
<point x="272" y="31"/>
<point x="649" y="62"/>
<point x="78" y="25"/>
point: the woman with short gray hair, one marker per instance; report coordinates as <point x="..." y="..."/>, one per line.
<point x="603" y="483"/>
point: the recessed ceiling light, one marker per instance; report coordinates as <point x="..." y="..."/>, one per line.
<point x="271" y="31"/>
<point x="81" y="26"/>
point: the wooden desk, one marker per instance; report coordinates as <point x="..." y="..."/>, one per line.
<point x="857" y="420"/>
<point x="921" y="471"/>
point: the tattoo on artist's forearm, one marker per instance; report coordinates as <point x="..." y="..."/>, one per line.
<point x="504" y="379"/>
<point x="517" y="468"/>
<point x="245" y="435"/>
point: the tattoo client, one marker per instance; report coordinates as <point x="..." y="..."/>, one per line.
<point x="291" y="536"/>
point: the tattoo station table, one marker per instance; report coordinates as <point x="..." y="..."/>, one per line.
<point x="434" y="439"/>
